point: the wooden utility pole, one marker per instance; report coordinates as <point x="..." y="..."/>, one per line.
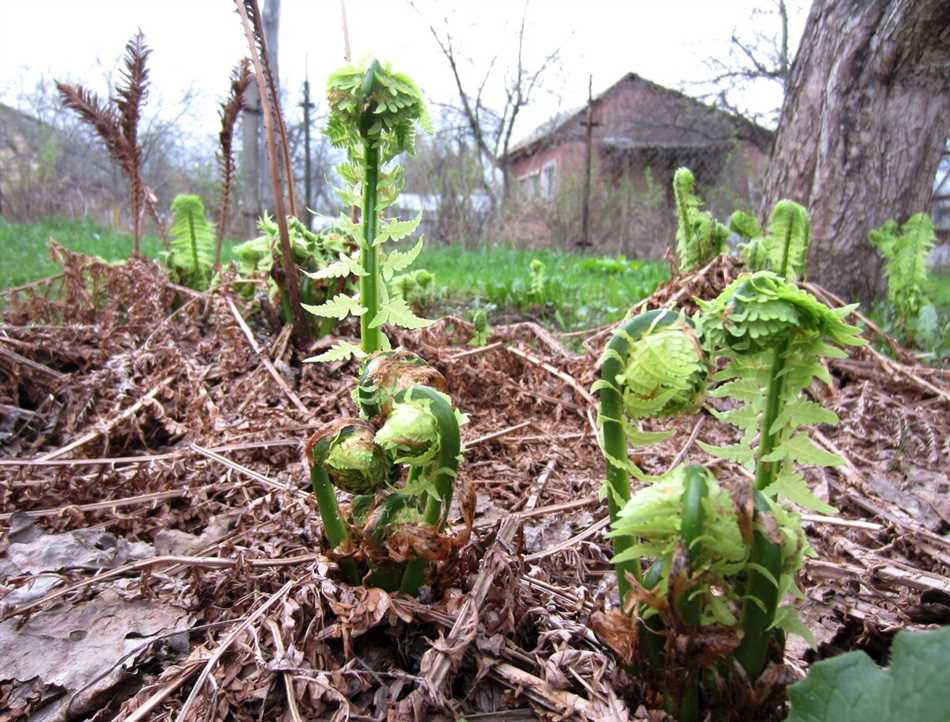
<point x="588" y="124"/>
<point x="306" y="105"/>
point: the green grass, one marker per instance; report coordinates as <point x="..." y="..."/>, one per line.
<point x="578" y="291"/>
<point x="26" y="257"/>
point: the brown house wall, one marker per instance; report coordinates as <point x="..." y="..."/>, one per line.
<point x="638" y="111"/>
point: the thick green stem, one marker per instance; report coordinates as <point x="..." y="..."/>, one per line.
<point x="753" y="651"/>
<point x="691" y="532"/>
<point x="446" y="464"/>
<point x="333" y="525"/>
<point x="767" y="554"/>
<point x="765" y="471"/>
<point x="369" y="298"/>
<point x="615" y="440"/>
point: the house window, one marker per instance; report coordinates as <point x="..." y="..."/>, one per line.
<point x="529" y="185"/>
<point x="547" y="179"/>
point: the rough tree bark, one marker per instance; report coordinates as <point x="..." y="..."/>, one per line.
<point x="863" y="125"/>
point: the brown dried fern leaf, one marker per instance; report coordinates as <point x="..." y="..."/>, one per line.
<point x="100" y="115"/>
<point x="230" y="110"/>
<point x="132" y="93"/>
<point x="272" y="97"/>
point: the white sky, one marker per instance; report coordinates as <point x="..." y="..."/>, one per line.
<point x="196" y="42"/>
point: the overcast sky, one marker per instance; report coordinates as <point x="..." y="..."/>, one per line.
<point x="196" y="42"/>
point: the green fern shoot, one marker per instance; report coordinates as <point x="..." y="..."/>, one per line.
<point x="192" y="243"/>
<point x="699" y="236"/>
<point x="374" y="113"/>
<point x="905" y="251"/>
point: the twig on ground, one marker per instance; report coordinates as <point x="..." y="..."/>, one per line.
<point x="678" y="459"/>
<point x="537" y="489"/>
<point x="288" y="676"/>
<point x="496" y="434"/>
<point x="227" y="642"/>
<point x="16" y="358"/>
<point x="103" y="429"/>
<point x="146" y="458"/>
<point x="437" y="661"/>
<point x="265" y="359"/>
<point x="476" y="351"/>
<point x="568" y="543"/>
<point x="566" y="378"/>
<point x="202" y="562"/>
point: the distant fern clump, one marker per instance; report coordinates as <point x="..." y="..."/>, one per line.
<point x="191" y="257"/>
<point x="699" y="236"/>
<point x="910" y="314"/>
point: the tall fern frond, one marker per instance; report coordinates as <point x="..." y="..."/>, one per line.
<point x="699" y="236"/>
<point x="192" y="238"/>
<point x="905" y="251"/>
<point x="116" y="123"/>
<point x="789" y="236"/>
<point x="271" y="96"/>
<point x="230" y="109"/>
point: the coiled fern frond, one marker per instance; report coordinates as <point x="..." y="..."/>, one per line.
<point x="192" y="242"/>
<point x="699" y="236"/>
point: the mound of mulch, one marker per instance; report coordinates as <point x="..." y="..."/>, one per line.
<point x="160" y="551"/>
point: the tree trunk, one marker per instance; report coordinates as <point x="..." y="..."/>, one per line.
<point x="863" y="125"/>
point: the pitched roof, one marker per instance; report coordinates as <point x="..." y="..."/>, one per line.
<point x="681" y="121"/>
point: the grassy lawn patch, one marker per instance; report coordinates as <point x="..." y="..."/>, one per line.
<point x="570" y="291"/>
<point x="26" y="257"/>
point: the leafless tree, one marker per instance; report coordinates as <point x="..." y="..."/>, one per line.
<point x="760" y="53"/>
<point x="492" y="128"/>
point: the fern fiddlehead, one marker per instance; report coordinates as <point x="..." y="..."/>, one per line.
<point x="652" y="366"/>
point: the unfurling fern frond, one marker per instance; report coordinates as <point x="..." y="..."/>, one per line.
<point x="192" y="240"/>
<point x="699" y="236"/>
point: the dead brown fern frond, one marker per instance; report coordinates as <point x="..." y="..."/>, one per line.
<point x="273" y="94"/>
<point x="271" y="114"/>
<point x="230" y="109"/>
<point x="116" y="123"/>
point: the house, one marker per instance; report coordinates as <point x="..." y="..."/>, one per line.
<point x="641" y="132"/>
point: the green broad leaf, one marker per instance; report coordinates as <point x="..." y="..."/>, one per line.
<point x="400" y="260"/>
<point x="792" y="486"/>
<point x="738" y="453"/>
<point x="341" y="351"/>
<point x="397" y="312"/>
<point x="852" y="688"/>
<point x="801" y="449"/>
<point x="397" y="230"/>
<point x="802" y="412"/>
<point x="338" y="307"/>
